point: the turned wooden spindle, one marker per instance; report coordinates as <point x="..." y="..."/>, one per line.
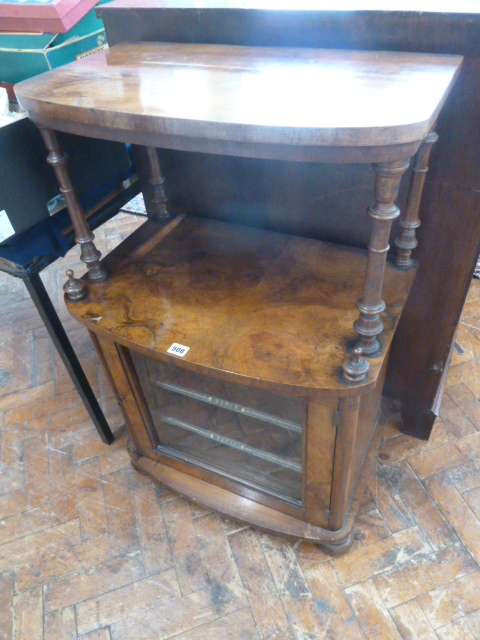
<point x="407" y="241"/>
<point x="383" y="212"/>
<point x="156" y="179"/>
<point x="355" y="368"/>
<point x="74" y="288"/>
<point x="89" y="254"/>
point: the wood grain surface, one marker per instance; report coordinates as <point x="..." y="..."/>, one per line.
<point x="249" y="94"/>
<point x="256" y="307"/>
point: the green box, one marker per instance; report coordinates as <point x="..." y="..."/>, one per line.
<point x="24" y="55"/>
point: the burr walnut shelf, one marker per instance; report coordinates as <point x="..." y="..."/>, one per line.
<point x="254" y="307"/>
<point x="270" y="415"/>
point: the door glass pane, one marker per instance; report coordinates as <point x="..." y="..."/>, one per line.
<point x="249" y="435"/>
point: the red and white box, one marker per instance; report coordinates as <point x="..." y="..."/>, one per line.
<point x="40" y="16"/>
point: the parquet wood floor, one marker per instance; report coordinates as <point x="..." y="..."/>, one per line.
<point x="90" y="549"/>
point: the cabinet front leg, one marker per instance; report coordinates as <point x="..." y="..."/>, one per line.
<point x="344" y="467"/>
<point x="383" y="212"/>
<point x="89" y="254"/>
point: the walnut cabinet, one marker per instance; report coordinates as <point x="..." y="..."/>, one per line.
<point x="249" y="364"/>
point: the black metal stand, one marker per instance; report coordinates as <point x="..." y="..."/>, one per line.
<point x="29" y="273"/>
<point x="60" y="339"/>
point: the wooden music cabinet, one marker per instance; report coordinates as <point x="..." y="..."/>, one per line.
<point x="249" y="364"/>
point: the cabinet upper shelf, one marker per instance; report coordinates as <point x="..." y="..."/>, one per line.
<point x="189" y="94"/>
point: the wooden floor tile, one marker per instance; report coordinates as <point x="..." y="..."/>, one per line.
<point x="339" y="620"/>
<point x="457" y="512"/>
<point x="411" y="622"/>
<point x="423" y="574"/>
<point x="191" y="571"/>
<point x="57" y="418"/>
<point x="390" y="505"/>
<point x="12" y="458"/>
<point x="101" y="634"/>
<point x="27" y="522"/>
<point x="167" y="620"/>
<point x="452" y="415"/>
<point x="98" y="580"/>
<point x="58" y="563"/>
<point x="119" y="510"/>
<point x="374" y="618"/>
<point x="419" y="502"/>
<point x="28" y="615"/>
<point x="473" y="623"/>
<point x="12" y="503"/>
<point x="301" y="609"/>
<point x="37" y="490"/>
<point x="127" y="601"/>
<point x="222" y="571"/>
<point x="452" y="601"/>
<point x="6" y="605"/>
<point x="456" y="631"/>
<point x="465" y="477"/>
<point x="465" y="400"/>
<point x="20" y="398"/>
<point x="257" y="579"/>
<point x="26" y="549"/>
<point x="402" y="447"/>
<point x="366" y="562"/>
<point x="60" y="625"/>
<point x="156" y="552"/>
<point x="63" y="483"/>
<point x="239" y="625"/>
<point x="449" y="455"/>
<point x="91" y="499"/>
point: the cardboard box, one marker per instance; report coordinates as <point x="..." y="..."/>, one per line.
<point x="24" y="55"/>
<point x="35" y="16"/>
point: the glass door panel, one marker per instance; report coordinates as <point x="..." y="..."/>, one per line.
<point x="246" y="434"/>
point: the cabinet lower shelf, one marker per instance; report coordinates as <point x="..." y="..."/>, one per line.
<point x="255" y="307"/>
<point x="256" y="419"/>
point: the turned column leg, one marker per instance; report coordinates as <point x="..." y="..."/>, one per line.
<point x="383" y="212"/>
<point x="157" y="181"/>
<point x="84" y="237"/>
<point x="409" y="221"/>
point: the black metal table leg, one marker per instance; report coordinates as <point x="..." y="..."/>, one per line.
<point x="57" y="333"/>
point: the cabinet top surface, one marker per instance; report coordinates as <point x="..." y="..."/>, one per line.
<point x="279" y="96"/>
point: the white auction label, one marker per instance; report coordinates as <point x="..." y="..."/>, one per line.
<point x="178" y="349"/>
<point x="6" y="229"/>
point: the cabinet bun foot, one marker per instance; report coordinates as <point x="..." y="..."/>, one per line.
<point x="338" y="549"/>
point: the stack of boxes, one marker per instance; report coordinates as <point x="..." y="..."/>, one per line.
<point x="39" y="35"/>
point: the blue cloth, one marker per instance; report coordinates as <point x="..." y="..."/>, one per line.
<point x="43" y="239"/>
